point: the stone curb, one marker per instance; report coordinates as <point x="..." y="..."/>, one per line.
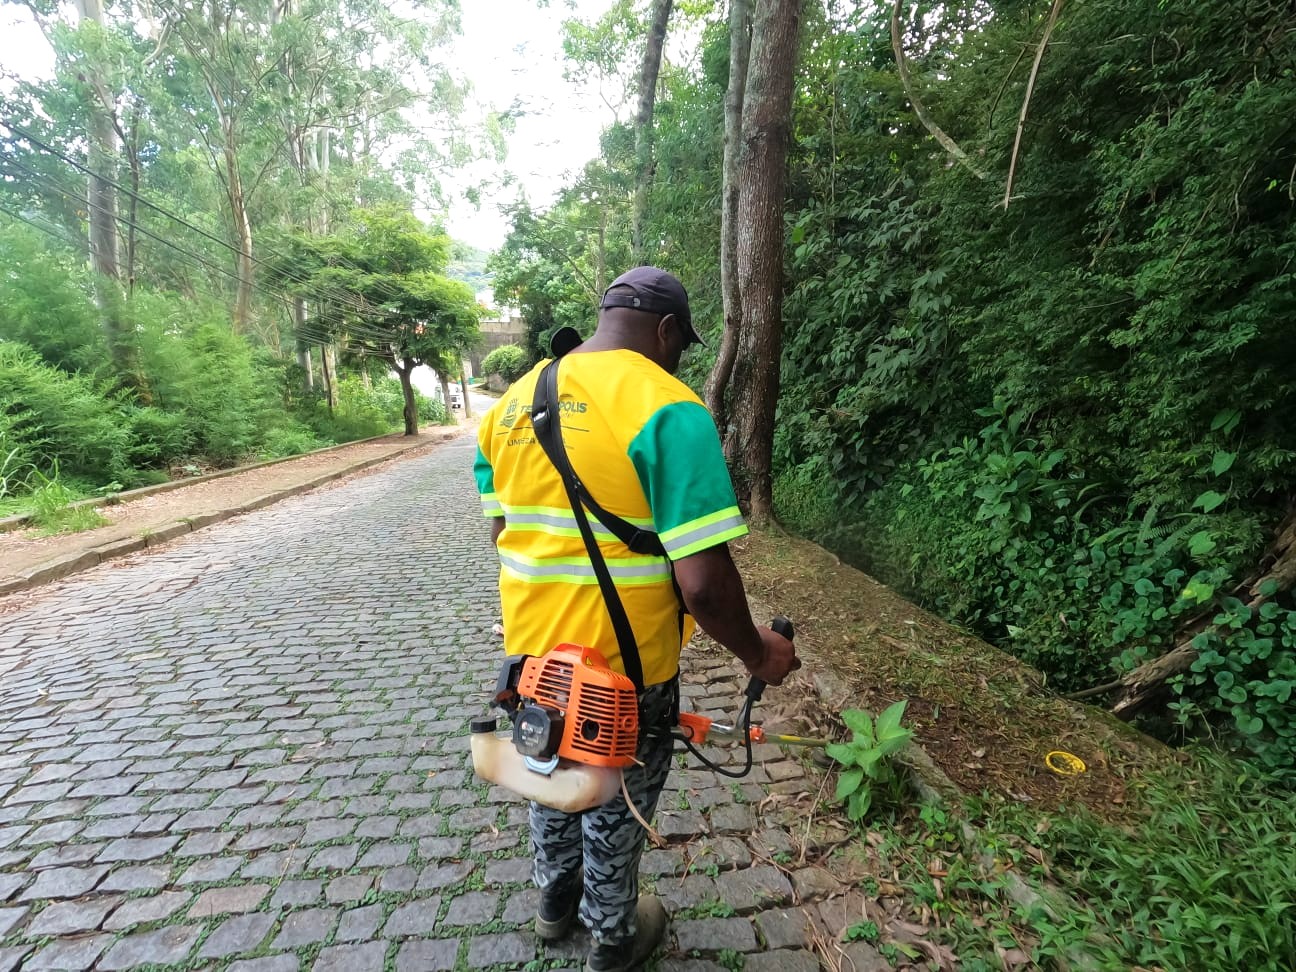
<point x="20" y="520"/>
<point x="60" y="567"/>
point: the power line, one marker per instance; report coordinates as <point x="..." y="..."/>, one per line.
<point x="318" y="335"/>
<point x="193" y="286"/>
<point x="279" y="270"/>
<point x="48" y="230"/>
<point x="358" y="305"/>
<point x="360" y="330"/>
<point x="40" y="178"/>
<point x="62" y="237"/>
<point x="341" y="296"/>
<point x="45" y="146"/>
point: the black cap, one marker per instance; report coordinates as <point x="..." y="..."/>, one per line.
<point x="483" y="724"/>
<point x="653" y="290"/>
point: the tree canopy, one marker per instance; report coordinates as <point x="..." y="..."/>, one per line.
<point x="387" y="295"/>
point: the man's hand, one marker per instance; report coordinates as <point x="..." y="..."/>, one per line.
<point x="713" y="594"/>
<point x="778" y="657"/>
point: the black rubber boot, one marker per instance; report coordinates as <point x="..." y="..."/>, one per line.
<point x="650" y="929"/>
<point x="558" y="908"/>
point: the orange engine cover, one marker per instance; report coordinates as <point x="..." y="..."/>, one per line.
<point x="599" y="706"/>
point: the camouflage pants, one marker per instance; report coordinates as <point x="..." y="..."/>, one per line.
<point x="608" y="840"/>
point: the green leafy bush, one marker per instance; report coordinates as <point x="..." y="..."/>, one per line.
<point x="1241" y="683"/>
<point x="1048" y="420"/>
<point x="805" y="499"/>
<point x="51" y="507"/>
<point x="509" y="361"/>
<point x="430" y="410"/>
<point x="16" y="466"/>
<point x="361" y="412"/>
<point x="157" y="437"/>
<point x="45" y="302"/>
<point x="289" y="440"/>
<point x="59" y="420"/>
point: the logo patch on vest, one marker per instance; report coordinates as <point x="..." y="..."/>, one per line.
<point x="510" y="414"/>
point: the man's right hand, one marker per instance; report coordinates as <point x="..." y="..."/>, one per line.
<point x="778" y="657"/>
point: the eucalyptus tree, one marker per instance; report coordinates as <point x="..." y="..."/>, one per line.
<point x="271" y="85"/>
<point x="658" y="17"/>
<point x="717" y="383"/>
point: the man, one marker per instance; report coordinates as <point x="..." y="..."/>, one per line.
<point x="646" y="450"/>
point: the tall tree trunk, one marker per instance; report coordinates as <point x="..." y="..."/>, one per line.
<point x="106" y="138"/>
<point x="303" y="349"/>
<point x="600" y="269"/>
<point x="101" y="212"/>
<point x="326" y="375"/>
<point x="132" y="205"/>
<point x="463" y="387"/>
<point x="307" y="365"/>
<point x="330" y="356"/>
<point x="102" y="162"/>
<point x="243" y="236"/>
<point x="766" y="132"/>
<point x="226" y="117"/>
<point x="717" y="383"/>
<point x="648" y="71"/>
<point x="445" y="396"/>
<point x="405" y="369"/>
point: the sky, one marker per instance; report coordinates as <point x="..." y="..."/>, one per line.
<point x="510" y="51"/>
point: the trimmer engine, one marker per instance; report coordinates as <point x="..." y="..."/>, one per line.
<point x="568" y="704"/>
<point x="576" y="727"/>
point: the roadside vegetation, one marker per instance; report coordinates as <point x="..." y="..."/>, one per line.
<point x="1036" y="368"/>
<point x="214" y="399"/>
<point x="208" y="253"/>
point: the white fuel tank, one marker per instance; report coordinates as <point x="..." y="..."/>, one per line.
<point x="570" y="787"/>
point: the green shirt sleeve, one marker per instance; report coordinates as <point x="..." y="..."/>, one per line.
<point x="682" y="471"/>
<point x="485" y="476"/>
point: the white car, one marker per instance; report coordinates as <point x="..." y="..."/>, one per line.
<point x="456" y="399"/>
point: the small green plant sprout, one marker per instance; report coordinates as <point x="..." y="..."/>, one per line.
<point x="731" y="959"/>
<point x="862" y="931"/>
<point x="865" y="760"/>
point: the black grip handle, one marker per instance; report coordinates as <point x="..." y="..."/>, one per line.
<point x="756" y="687"/>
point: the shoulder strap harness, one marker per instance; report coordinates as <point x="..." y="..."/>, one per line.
<point x="548" y="430"/>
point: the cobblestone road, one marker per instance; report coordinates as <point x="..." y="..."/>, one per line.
<point x="248" y="752"/>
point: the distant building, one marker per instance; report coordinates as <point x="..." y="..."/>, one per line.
<point x="496" y="333"/>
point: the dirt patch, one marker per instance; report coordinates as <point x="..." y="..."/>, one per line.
<point x="24" y="550"/>
<point x="986" y="719"/>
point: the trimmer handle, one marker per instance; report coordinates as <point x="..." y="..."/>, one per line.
<point x="756" y="687"/>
